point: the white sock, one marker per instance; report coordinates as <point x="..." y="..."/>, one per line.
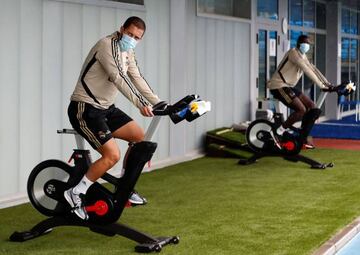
<point x="82" y="186"/>
<point x="122" y="172"/>
<point x="280" y="130"/>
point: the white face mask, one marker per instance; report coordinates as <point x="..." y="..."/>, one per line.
<point x="127" y="43"/>
<point x="304" y="47"/>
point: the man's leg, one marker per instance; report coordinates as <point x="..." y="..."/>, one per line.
<point x="309" y="104"/>
<point x="299" y="111"/>
<point x="131" y="132"/>
<point x="110" y="155"/>
<point x="308" y="122"/>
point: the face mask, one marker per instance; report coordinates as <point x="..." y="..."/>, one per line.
<point x="304" y="47"/>
<point x="127" y="43"/>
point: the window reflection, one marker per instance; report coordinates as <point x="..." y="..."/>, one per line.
<point x="320" y="59"/>
<point x="321" y="15"/>
<point x="295" y="10"/>
<point x="309" y="13"/>
<point x="353" y="23"/>
<point x="294" y="34"/>
<point x="240" y="9"/>
<point x="267" y="9"/>
<point x="262" y="63"/>
<point x="345" y="46"/>
<point x="345" y="21"/>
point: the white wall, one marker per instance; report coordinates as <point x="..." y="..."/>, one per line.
<point x="42" y="47"/>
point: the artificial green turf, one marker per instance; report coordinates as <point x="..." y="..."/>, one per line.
<point x="219" y="207"/>
<point x="233" y="136"/>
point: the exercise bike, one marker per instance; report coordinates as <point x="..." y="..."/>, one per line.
<point x="49" y="179"/>
<point x="261" y="138"/>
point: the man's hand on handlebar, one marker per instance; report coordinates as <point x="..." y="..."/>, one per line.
<point x="329" y="88"/>
<point x="146" y="111"/>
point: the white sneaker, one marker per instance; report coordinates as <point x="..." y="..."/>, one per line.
<point x="136" y="199"/>
<point x="75" y="202"/>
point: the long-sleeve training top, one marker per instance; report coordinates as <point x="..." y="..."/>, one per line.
<point x="106" y="71"/>
<point x="292" y="67"/>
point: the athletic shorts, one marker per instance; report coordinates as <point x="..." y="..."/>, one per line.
<point x="96" y="125"/>
<point x="285" y="95"/>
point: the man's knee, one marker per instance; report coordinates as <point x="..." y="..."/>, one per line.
<point x="111" y="158"/>
<point x="301" y="111"/>
<point x="139" y="136"/>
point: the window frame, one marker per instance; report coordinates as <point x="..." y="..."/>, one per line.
<point x="107" y="3"/>
<point x="351" y="36"/>
<point x="302" y="16"/>
<point x="265" y="18"/>
<point x="223" y="17"/>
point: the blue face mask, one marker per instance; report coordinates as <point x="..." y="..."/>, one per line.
<point x="127" y="43"/>
<point x="304" y="47"/>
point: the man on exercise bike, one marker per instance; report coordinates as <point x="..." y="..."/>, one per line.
<point x="282" y="87"/>
<point x="110" y="67"/>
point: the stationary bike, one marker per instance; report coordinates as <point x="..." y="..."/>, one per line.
<point x="261" y="138"/>
<point x="49" y="179"/>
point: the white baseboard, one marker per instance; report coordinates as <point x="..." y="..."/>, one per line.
<point x="21" y="198"/>
<point x="12" y="200"/>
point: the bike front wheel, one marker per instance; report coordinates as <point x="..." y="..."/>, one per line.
<point x="258" y="135"/>
<point x="46" y="185"/>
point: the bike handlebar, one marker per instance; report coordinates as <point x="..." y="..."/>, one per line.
<point x="189" y="108"/>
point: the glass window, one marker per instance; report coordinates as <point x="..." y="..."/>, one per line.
<point x="139" y="2"/>
<point x="309" y="13"/>
<point x="353" y="59"/>
<point x="262" y="62"/>
<point x="308" y="84"/>
<point x="272" y="56"/>
<point x="232" y="8"/>
<point x="294" y="34"/>
<point x="320" y="56"/>
<point x="320" y="16"/>
<point x="345" y="21"/>
<point x="345" y="46"/>
<point x="295" y="10"/>
<point x="349" y="61"/>
<point x="353" y="23"/>
<point x="267" y="9"/>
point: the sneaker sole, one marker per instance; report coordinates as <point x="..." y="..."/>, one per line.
<point x="69" y="200"/>
<point x="137" y="203"/>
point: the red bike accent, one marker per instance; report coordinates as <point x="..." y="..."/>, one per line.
<point x="289" y="145"/>
<point x="100" y="208"/>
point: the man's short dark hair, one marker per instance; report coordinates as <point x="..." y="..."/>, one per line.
<point x="136" y="21"/>
<point x="302" y="39"/>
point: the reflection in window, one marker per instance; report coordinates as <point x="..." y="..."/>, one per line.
<point x="294" y="34"/>
<point x="353" y="23"/>
<point x="295" y="10"/>
<point x="267" y="9"/>
<point x="309" y="13"/>
<point x="349" y="61"/>
<point x="320" y="16"/>
<point x="320" y="56"/>
<point x="353" y="59"/>
<point x="345" y="21"/>
<point x="139" y="2"/>
<point x="308" y="84"/>
<point x="353" y="50"/>
<point x="262" y="63"/>
<point x="345" y="46"/>
<point x="239" y="9"/>
<point x="272" y="55"/>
